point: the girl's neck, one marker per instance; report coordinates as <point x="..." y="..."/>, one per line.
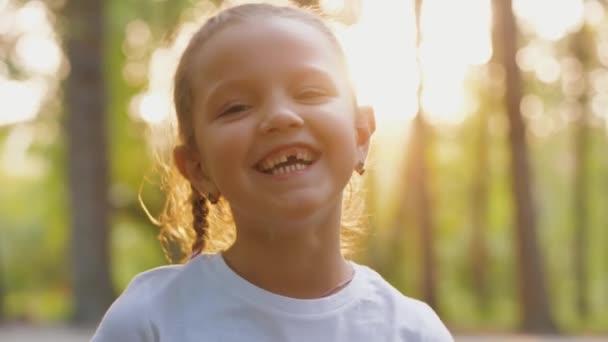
<point x="305" y="266"/>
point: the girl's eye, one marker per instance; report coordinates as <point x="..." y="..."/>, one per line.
<point x="312" y="93"/>
<point x="235" y="108"/>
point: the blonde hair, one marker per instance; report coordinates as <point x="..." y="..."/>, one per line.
<point x="188" y="224"/>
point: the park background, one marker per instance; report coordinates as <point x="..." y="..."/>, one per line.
<point x="489" y="200"/>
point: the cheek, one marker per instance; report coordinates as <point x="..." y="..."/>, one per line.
<point x="340" y="136"/>
<point x="224" y="152"/>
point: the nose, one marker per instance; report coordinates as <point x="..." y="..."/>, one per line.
<point x="279" y="115"/>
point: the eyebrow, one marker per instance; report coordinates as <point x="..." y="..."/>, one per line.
<point x="219" y="86"/>
<point x="313" y="72"/>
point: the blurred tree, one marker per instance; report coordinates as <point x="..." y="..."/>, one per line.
<point x="535" y="310"/>
<point x="2" y="288"/>
<point x="583" y="48"/>
<point x="418" y="200"/>
<point x="479" y="206"/>
<point x="480" y="186"/>
<point x="88" y="160"/>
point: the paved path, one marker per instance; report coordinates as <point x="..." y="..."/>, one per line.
<point x="15" y="333"/>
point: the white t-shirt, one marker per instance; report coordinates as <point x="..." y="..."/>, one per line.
<point x="205" y="300"/>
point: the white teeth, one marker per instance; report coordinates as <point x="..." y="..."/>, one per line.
<point x="288" y="169"/>
<point x="304" y="156"/>
<point x="301" y="154"/>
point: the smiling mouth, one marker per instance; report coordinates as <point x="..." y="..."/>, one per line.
<point x="287" y="161"/>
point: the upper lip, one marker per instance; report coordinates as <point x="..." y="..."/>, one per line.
<point x="282" y="148"/>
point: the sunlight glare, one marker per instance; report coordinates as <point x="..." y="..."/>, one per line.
<point x="380" y="54"/>
<point x="34" y="55"/>
<point x="154" y="108"/>
<point x="450" y="45"/>
<point x="594" y="12"/>
<point x="458" y="29"/>
<point x="529" y="56"/>
<point x="564" y="16"/>
<point x="38" y="54"/>
<point x="20" y="100"/>
<point x="540" y="58"/>
<point x="548" y="70"/>
<point x="32" y="17"/>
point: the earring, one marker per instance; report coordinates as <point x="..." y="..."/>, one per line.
<point x="213" y="198"/>
<point x="360" y="167"/>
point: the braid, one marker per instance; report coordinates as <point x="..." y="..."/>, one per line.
<point x="200" y="211"/>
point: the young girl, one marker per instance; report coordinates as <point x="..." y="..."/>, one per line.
<point x="270" y="127"/>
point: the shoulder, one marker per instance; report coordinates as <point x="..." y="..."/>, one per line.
<point x="127" y="319"/>
<point x="413" y="318"/>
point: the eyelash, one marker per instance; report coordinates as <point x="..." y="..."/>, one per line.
<point x="234" y="108"/>
<point x="310" y="93"/>
<point x="305" y="94"/>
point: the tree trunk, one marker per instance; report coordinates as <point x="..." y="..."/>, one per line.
<point x="479" y="213"/>
<point x="418" y="184"/>
<point x="419" y="205"/>
<point x="583" y="50"/>
<point x="535" y="310"/>
<point x="479" y="189"/>
<point x="581" y="215"/>
<point x="2" y="287"/>
<point x="88" y="161"/>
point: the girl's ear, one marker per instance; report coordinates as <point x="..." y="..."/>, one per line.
<point x="190" y="166"/>
<point x="366" y="126"/>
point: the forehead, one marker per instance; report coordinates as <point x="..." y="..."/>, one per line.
<point x="267" y="47"/>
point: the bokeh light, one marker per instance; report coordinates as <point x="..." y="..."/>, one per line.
<point x="35" y="54"/>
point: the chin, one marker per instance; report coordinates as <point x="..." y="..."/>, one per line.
<point x="307" y="208"/>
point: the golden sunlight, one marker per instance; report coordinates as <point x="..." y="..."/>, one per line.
<point x="382" y="56"/>
<point x="381" y="53"/>
<point x="455" y="35"/>
<point x="380" y="50"/>
<point x="565" y="16"/>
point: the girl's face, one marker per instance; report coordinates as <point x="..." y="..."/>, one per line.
<point x="276" y="127"/>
